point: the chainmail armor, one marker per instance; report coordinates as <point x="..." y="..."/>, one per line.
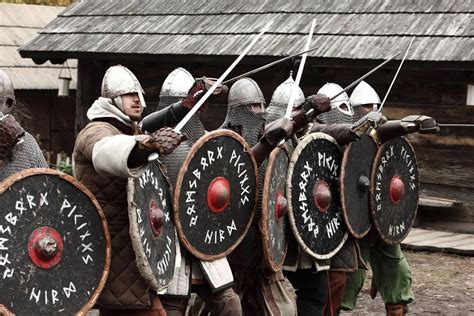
<point x="333" y="116"/>
<point x="174" y="161"/>
<point x="359" y="112"/>
<point x="194" y="129"/>
<point x="250" y="124"/>
<point x="24" y="156"/>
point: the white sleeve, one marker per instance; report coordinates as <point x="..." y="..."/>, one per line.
<point x="110" y="155"/>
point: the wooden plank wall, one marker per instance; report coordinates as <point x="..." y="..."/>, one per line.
<point x="445" y="159"/>
<point x="52" y="119"/>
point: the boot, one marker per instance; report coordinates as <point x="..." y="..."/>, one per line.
<point x="373" y="290"/>
<point x="395" y="309"/>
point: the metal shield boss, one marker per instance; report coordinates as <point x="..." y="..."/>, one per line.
<point x="394" y="190"/>
<point x="215" y="195"/>
<point x="354" y="184"/>
<point x="152" y="230"/>
<point x="274" y="221"/>
<point x="313" y="194"/>
<point x="54" y="244"/>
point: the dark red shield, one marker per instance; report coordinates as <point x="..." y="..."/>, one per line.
<point x="274" y="222"/>
<point x="151" y="226"/>
<point x="215" y="195"/>
<point x="54" y="244"/>
<point x="313" y="195"/>
<point x="354" y="185"/>
<point x="394" y="190"/>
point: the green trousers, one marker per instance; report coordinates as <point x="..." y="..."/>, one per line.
<point x="390" y="272"/>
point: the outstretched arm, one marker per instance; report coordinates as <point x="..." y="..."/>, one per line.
<point x="408" y="124"/>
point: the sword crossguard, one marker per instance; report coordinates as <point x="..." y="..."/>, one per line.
<point x="281" y="142"/>
<point x="153" y="156"/>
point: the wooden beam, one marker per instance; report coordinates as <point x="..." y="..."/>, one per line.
<point x="438" y="202"/>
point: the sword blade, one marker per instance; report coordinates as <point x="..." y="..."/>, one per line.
<point x="365" y="76"/>
<point x="456" y="125"/>
<point x="219" y="81"/>
<point x="291" y="102"/>
<point x="396" y="74"/>
<point x="266" y="66"/>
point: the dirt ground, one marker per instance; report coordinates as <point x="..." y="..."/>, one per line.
<point x="443" y="284"/>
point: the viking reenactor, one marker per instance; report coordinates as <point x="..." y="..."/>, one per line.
<point x="217" y="293"/>
<point x="264" y="291"/>
<point x="61" y="228"/>
<point x="18" y="149"/>
<point x="301" y="271"/>
<point x="307" y="273"/>
<point x="337" y="123"/>
<point x="391" y="272"/>
<point x="349" y="259"/>
<point x="110" y="149"/>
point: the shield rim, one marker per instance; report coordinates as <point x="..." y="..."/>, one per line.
<point x="345" y="158"/>
<point x="179" y="180"/>
<point x="267" y="256"/>
<point x="12" y="179"/>
<point x="297" y="151"/>
<point x="148" y="275"/>
<point x="372" y="192"/>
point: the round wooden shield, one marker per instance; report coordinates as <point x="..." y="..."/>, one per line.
<point x="54" y="244"/>
<point x="313" y="195"/>
<point x="215" y="195"/>
<point x="152" y="228"/>
<point x="354" y="185"/>
<point x="273" y="221"/>
<point x="394" y="190"/>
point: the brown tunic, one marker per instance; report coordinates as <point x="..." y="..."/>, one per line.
<point x="124" y="288"/>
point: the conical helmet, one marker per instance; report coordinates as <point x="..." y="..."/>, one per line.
<point x="280" y="98"/>
<point x="175" y="87"/>
<point x="245" y="91"/>
<point x="119" y="80"/>
<point x="364" y="94"/>
<point x="177" y="83"/>
<point x="341" y="102"/>
<point x="7" y="92"/>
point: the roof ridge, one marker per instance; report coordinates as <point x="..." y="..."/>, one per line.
<point x="65" y="15"/>
<point x="267" y="33"/>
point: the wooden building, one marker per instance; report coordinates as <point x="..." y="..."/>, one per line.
<point x="40" y="110"/>
<point x="154" y="37"/>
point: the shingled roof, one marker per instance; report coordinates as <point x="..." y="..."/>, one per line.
<point x="352" y="29"/>
<point x="19" y="23"/>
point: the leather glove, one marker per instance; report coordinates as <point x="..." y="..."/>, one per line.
<point x="201" y="85"/>
<point x="316" y="104"/>
<point x="163" y="141"/>
<point x="10" y="134"/>
<point x="370" y="121"/>
<point x="419" y="123"/>
<point x="277" y="131"/>
<point x="219" y="95"/>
